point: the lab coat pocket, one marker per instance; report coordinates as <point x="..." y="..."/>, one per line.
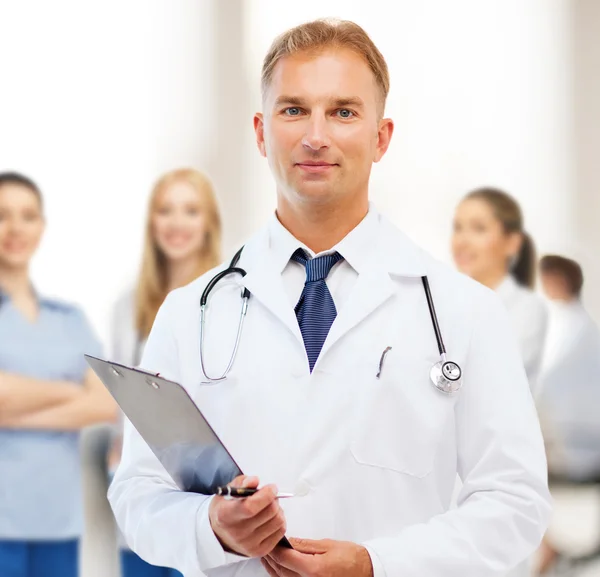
<point x="401" y="420"/>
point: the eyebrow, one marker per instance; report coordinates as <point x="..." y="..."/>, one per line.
<point x="354" y="101"/>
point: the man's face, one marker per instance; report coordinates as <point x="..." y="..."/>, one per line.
<point x="321" y="129"/>
<point x="555" y="287"/>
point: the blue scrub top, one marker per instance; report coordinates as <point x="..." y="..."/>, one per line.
<point x="40" y="473"/>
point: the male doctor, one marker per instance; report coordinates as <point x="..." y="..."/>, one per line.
<point x="337" y="299"/>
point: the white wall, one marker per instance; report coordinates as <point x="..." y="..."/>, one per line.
<point x="478" y="95"/>
<point x="97" y="99"/>
<point x="106" y="96"/>
<point x="585" y="124"/>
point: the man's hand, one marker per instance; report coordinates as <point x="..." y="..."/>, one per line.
<point x="251" y="526"/>
<point x="324" y="558"/>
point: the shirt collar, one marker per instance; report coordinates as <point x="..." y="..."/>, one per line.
<point x="354" y="247"/>
<point x="42" y="301"/>
<point x="374" y="244"/>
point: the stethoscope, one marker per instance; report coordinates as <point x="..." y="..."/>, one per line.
<point x="445" y="375"/>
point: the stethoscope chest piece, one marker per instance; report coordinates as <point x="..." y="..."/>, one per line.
<point x="446" y="376"/>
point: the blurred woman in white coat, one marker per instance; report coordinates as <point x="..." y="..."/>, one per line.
<point x="490" y="244"/>
<point x="182" y="242"/>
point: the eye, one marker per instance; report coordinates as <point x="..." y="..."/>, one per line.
<point x="30" y="216"/>
<point x="292" y="111"/>
<point x="345" y="113"/>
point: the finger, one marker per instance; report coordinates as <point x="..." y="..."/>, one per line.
<point x="312" y="546"/>
<point x="251" y="524"/>
<point x="279" y="570"/>
<point x="274" y="525"/>
<point x="243" y="481"/>
<point x="268" y="568"/>
<point x="270" y="543"/>
<point x="293" y="560"/>
<point x="254" y="504"/>
<point x="249" y="510"/>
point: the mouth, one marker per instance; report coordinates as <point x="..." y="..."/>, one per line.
<point x="177" y="239"/>
<point x="464" y="259"/>
<point x="315" y="166"/>
<point x="14" y="246"/>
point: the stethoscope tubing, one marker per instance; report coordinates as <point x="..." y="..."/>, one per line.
<point x="233" y="269"/>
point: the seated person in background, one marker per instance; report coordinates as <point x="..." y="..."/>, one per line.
<point x="570" y="381"/>
<point x="47" y="395"/>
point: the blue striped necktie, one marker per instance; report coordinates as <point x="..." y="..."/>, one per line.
<point x="315" y="310"/>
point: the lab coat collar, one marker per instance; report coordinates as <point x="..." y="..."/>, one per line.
<point x="386" y="252"/>
<point x="507" y="289"/>
<point x="374" y="241"/>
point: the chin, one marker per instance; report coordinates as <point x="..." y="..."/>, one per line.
<point x="14" y="262"/>
<point x="315" y="193"/>
<point x="175" y="254"/>
<point x="465" y="269"/>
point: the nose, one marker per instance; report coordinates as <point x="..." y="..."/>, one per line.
<point x="15" y="226"/>
<point x="316" y="136"/>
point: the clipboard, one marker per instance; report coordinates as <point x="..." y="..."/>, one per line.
<point x="173" y="426"/>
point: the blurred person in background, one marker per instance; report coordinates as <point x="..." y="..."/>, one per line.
<point x="570" y="383"/>
<point x="47" y="395"/>
<point x="490" y="245"/>
<point x="182" y="242"/>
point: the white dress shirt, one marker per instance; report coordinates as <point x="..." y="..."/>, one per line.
<point x="343" y="275"/>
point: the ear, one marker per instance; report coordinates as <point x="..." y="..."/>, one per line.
<point x="259" y="131"/>
<point x="384" y="136"/>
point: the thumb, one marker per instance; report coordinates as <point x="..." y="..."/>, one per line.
<point x="245" y="482"/>
<point x="309" y="545"/>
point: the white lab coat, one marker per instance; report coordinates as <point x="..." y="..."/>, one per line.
<point x="529" y="317"/>
<point x="375" y="460"/>
<point x="126" y="346"/>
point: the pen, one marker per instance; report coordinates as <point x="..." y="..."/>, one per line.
<point x="385" y="352"/>
<point x="231" y="492"/>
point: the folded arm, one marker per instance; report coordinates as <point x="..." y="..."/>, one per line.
<point x="20" y="395"/>
<point x="90" y="404"/>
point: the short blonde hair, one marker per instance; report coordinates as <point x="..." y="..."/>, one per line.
<point x="327" y="33"/>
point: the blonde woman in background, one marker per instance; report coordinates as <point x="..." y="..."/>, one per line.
<point x="489" y="244"/>
<point x="182" y="242"/>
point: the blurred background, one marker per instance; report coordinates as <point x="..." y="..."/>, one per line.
<point x="97" y="99"/>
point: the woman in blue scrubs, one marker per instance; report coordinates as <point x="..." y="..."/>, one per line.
<point x="47" y="395"/>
